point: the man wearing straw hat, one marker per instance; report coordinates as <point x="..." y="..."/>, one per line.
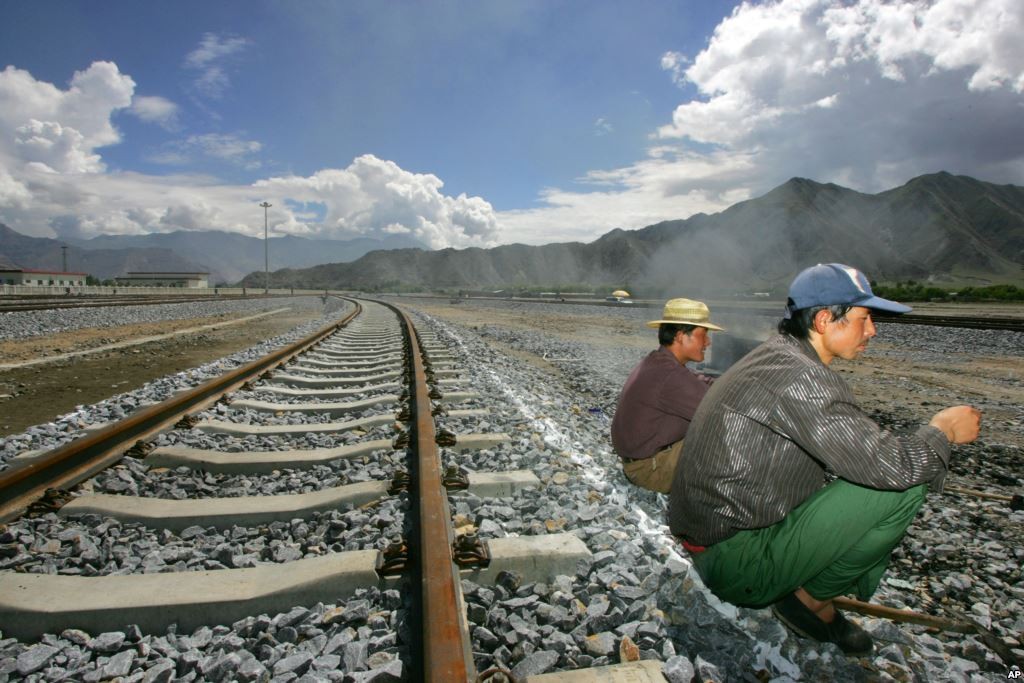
<point x="661" y="395"/>
<point x="790" y="495"/>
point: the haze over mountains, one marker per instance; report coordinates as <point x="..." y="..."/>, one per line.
<point x="22" y="251"/>
<point x="226" y="256"/>
<point x="939" y="227"/>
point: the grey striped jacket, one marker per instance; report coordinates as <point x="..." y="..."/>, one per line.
<point x="772" y="430"/>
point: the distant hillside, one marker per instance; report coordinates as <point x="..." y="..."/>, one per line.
<point x="226" y="256"/>
<point x="951" y="229"/>
<point x="17" y="250"/>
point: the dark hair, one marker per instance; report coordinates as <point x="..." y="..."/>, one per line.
<point x="801" y="322"/>
<point x="667" y="331"/>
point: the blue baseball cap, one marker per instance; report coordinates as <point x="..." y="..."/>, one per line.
<point x="830" y="284"/>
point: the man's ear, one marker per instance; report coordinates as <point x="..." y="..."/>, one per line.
<point x="821" y="319"/>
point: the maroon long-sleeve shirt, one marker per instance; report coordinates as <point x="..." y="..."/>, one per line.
<point x="656" y="405"/>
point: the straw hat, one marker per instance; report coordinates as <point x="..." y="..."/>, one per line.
<point x="685" y="312"/>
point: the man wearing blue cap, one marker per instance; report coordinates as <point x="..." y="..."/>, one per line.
<point x="789" y="494"/>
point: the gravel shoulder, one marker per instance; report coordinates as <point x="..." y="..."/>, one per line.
<point x="962" y="557"/>
<point x="893" y="372"/>
<point x="551" y="378"/>
<point x="38" y="394"/>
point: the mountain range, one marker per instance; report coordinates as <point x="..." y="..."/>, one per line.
<point x="226" y="256"/>
<point x="940" y="228"/>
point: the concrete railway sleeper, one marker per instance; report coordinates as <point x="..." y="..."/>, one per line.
<point x="279" y="530"/>
<point x="158" y="596"/>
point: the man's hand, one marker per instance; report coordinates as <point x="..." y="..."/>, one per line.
<point x="960" y="424"/>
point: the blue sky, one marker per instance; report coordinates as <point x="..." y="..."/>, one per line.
<point x="478" y="123"/>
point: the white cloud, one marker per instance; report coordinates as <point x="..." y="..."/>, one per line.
<point x="52" y="176"/>
<point x="675" y="63"/>
<point x="53" y="147"/>
<point x="213" y="48"/>
<point x="671" y="183"/>
<point x="196" y="215"/>
<point x="982" y="37"/>
<point x="864" y="93"/>
<point x="374" y="196"/>
<point x="227" y="147"/>
<point x="870" y="93"/>
<point x="231" y="148"/>
<point x="171" y="155"/>
<point x="93" y="96"/>
<point x="602" y="127"/>
<point x="157" y="110"/>
<point x="212" y="82"/>
<point x="60" y="130"/>
<point x="12" y="192"/>
<point x="209" y="59"/>
<point x="867" y="94"/>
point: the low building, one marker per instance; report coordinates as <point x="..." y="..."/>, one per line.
<point x="190" y="280"/>
<point x="41" y="278"/>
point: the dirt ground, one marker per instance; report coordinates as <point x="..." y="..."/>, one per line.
<point x="881" y="379"/>
<point x="39" y="393"/>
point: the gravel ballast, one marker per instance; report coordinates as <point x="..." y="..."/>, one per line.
<point x="553" y="391"/>
<point x="961" y="559"/>
<point x="28" y="324"/>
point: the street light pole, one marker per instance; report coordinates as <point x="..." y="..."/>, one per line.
<point x="266" y="251"/>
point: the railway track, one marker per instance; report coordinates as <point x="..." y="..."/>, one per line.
<point x="1014" y="324"/>
<point x="20" y="304"/>
<point x="15" y="304"/>
<point x="966" y="322"/>
<point x="373" y="365"/>
<point x="355" y="433"/>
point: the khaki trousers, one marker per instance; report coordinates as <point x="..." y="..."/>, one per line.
<point x="654" y="473"/>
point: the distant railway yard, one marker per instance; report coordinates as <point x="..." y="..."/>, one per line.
<point x="516" y="422"/>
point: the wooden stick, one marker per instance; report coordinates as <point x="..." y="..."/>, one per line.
<point x="904" y="615"/>
<point x="979" y="494"/>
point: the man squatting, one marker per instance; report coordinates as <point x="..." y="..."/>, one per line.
<point x="789" y="494"/>
<point x="661" y="395"/>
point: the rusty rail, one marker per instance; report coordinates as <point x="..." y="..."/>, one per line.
<point x="80" y="459"/>
<point x="1013" y="324"/>
<point x="447" y="654"/>
<point x="65" y="302"/>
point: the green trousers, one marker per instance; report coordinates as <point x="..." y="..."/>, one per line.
<point x="836" y="542"/>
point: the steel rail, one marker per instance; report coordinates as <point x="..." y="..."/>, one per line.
<point x="968" y="322"/>
<point x="66" y="304"/>
<point x="446" y="647"/>
<point x="80" y="459"/>
<point x="1011" y="324"/>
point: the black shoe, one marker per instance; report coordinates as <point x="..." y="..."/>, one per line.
<point x="851" y="639"/>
